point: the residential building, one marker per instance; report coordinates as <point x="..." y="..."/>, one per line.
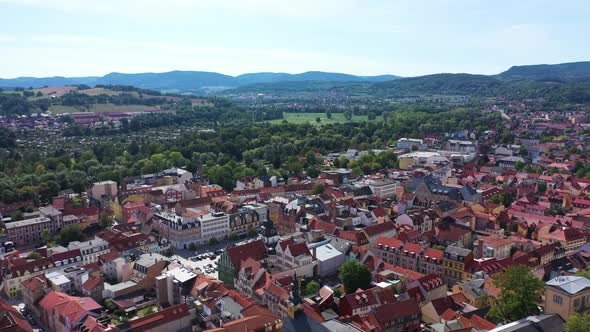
<point x="231" y="259"/>
<point x="91" y="249"/>
<point x="566" y="295"/>
<point x="61" y="312"/>
<point x="11" y="320"/>
<point x="456" y="261"/>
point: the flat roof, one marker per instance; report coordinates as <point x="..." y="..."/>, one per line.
<point x="27" y="222"/>
<point x="326" y="252"/>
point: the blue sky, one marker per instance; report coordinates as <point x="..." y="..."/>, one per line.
<point x="363" y="37"/>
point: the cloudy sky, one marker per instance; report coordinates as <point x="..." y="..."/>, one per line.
<point x="363" y="37"/>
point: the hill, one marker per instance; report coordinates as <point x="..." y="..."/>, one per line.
<point x="562" y="71"/>
<point x="440" y="84"/>
<point x="198" y="82"/>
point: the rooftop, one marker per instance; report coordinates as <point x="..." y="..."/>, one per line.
<point x="570" y="284"/>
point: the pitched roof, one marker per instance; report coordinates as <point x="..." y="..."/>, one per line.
<point x="159" y="318"/>
<point x="255" y="250"/>
<point x="11" y="320"/>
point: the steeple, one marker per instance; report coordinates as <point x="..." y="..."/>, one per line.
<point x="295" y="297"/>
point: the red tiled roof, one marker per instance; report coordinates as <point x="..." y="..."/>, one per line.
<point x="391" y="312"/>
<point x="159" y="318"/>
<point x="11" y="320"/>
<point x="377" y="229"/>
<point x="298" y="249"/>
<point x="60" y="256"/>
<point x="68" y="308"/>
<point x="388" y="241"/>
<point x="434" y="253"/>
<point x="255" y="250"/>
<point x="34" y="283"/>
<point x="92" y="283"/>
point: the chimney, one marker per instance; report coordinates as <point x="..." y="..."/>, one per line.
<point x="480" y="248"/>
<point x="314" y="253"/>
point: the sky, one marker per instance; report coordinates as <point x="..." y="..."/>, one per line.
<point x="362" y="37"/>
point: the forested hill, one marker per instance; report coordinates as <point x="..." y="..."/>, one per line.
<point x="189" y="81"/>
<point x="563" y="71"/>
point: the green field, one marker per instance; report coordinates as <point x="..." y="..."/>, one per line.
<point x="99" y="108"/>
<point x="311" y="118"/>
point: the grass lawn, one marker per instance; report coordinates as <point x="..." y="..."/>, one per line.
<point x="311" y="118"/>
<point x="99" y="108"/>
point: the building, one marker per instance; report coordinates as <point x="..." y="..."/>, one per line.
<point x="382" y="188"/>
<point x="104" y="188"/>
<point x="59" y="282"/>
<point x="61" y="312"/>
<point x="21" y="269"/>
<point x="456" y="262"/>
<point x="28" y="233"/>
<point x="289" y="255"/>
<point x="231" y="259"/>
<point x="33" y="290"/>
<point x="417" y="158"/>
<point x="410" y="144"/>
<point x="181" y="231"/>
<point x="566" y="295"/>
<point x="176" y="318"/>
<point x="214" y="226"/>
<point x="174" y="286"/>
<point x="461" y="146"/>
<point x="329" y="259"/>
<point x="360" y="303"/>
<point x="91" y="249"/>
<point x="11" y="320"/>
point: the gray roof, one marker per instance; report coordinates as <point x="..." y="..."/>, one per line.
<point x="570" y="284"/>
<point x="457" y="251"/>
<point x="338" y="326"/>
<point x="27" y="222"/>
<point x="546" y="323"/>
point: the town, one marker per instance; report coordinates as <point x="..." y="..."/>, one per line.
<point x="440" y="240"/>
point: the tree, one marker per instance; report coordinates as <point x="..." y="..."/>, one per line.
<point x="252" y="232"/>
<point x="578" y="322"/>
<point x="106" y="220"/>
<point x="192" y="247"/>
<point x="318" y="120"/>
<point x="520" y="294"/>
<point x="372" y="116"/>
<point x="348" y="115"/>
<point x="336" y="291"/>
<point x="328" y="114"/>
<point x="312" y="287"/>
<point x="34" y="255"/>
<point x="46" y="236"/>
<point x="17" y="215"/>
<point x="213" y="241"/>
<point x="318" y="189"/>
<point x="542" y="187"/>
<point x="583" y="273"/>
<point x="354" y="275"/>
<point x="69" y="234"/>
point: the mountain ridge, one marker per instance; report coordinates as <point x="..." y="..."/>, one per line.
<point x="188" y="80"/>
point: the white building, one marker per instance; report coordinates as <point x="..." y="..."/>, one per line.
<point x="100" y="189"/>
<point x="90" y="250"/>
<point x="409" y="143"/>
<point x="214" y="225"/>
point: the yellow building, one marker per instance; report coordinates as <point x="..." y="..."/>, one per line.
<point x="566" y="295"/>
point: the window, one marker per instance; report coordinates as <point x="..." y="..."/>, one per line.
<point x="557" y="299"/>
